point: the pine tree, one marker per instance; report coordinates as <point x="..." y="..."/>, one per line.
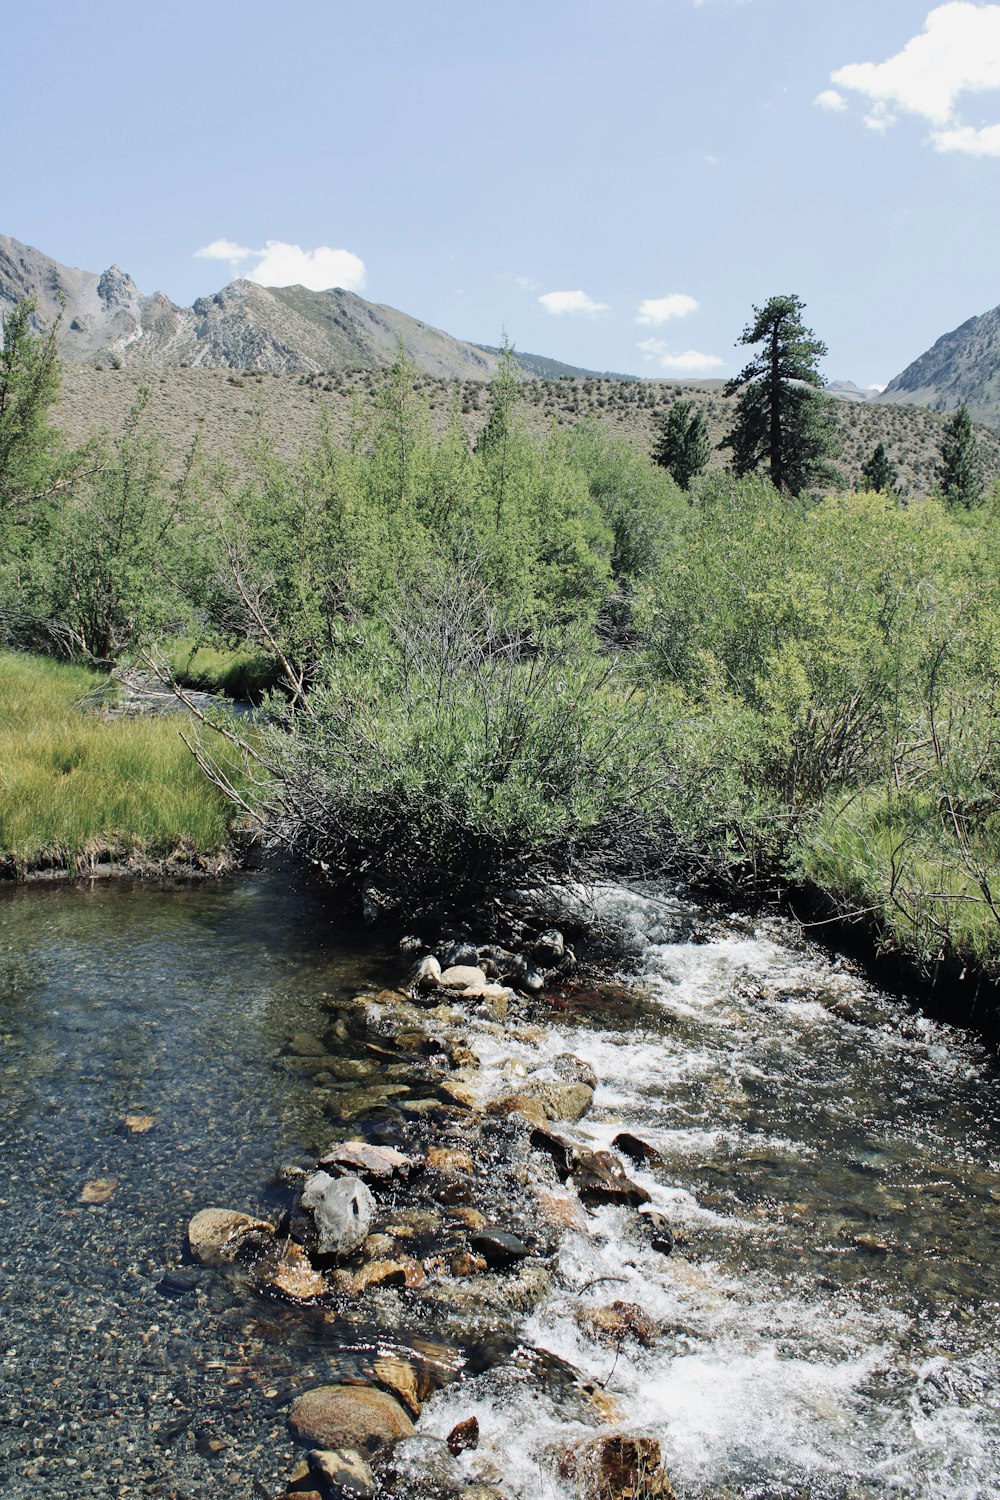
<point x="880" y="473"/>
<point x="959" y="473"/>
<point x="781" y="423"/>
<point x="682" y="447"/>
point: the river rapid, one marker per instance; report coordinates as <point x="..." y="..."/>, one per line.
<point x="828" y="1324"/>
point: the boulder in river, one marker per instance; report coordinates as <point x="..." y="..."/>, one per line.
<point x="342" y="1473"/>
<point x="637" y="1150"/>
<point x="218" y="1235"/>
<point x="463" y="1435"/>
<point x="623" y="1467"/>
<point x="498" y="1248"/>
<point x="420" y="1466"/>
<point x="549" y="949"/>
<point x="365" y="1160"/>
<point x="342" y="1210"/>
<point x="427" y="974"/>
<point x="600" y="1178"/>
<point x="347" y="1416"/>
<point x="560" y="1100"/>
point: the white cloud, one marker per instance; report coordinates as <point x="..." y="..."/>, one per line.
<point x="957" y="53"/>
<point x="527" y="284"/>
<point x="571" y="302"/>
<point x="657" y="310"/>
<point x="831" y="100"/>
<point x="280" y="264"/>
<point x="984" y="142"/>
<point x="691" y="362"/>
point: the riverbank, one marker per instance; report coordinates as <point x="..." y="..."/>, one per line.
<point x="86" y="795"/>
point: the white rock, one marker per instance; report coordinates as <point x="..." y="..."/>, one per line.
<point x="342" y="1210"/>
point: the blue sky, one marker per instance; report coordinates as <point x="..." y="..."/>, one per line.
<point x="615" y="182"/>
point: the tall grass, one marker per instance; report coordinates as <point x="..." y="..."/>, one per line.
<point x="244" y="674"/>
<point x="75" y="787"/>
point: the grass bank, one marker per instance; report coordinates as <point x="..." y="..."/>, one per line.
<point x="78" y="790"/>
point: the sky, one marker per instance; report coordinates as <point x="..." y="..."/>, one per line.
<point x="614" y="183"/>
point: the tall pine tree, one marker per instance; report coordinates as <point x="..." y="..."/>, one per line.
<point x="682" y="445"/>
<point x="879" y="473"/>
<point x="781" y="424"/>
<point x="959" y="473"/>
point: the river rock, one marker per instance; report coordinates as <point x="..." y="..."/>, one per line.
<point x="419" y="1468"/>
<point x="574" y="1069"/>
<point x="549" y="948"/>
<point x="636" y="1150"/>
<point x="218" y="1235"/>
<point x="342" y="1210"/>
<point x="402" y="1381"/>
<point x="343" y="1474"/>
<point x="561" y="1151"/>
<point x="661" y="1236"/>
<point x="561" y="1211"/>
<point x="600" y="1178"/>
<point x="619" y="1323"/>
<point x="427" y="974"/>
<point x="622" y="1467"/>
<point x="347" y="1416"/>
<point x="459" y="955"/>
<point x="498" y="1248"/>
<point x="461" y="1056"/>
<point x="463" y="1435"/>
<point x="519" y="1104"/>
<point x="304" y="1044"/>
<point x="349" y="1106"/>
<point x="559" y="1100"/>
<point x="367" y="1161"/>
<point x="467" y="979"/>
<point x="458" y="1093"/>
<point x="378" y="1273"/>
<point x="294" y="1276"/>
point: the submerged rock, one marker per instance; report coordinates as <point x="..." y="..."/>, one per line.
<point x="294" y="1277"/>
<point x="420" y="1468"/>
<point x="218" y="1235"/>
<point x="342" y="1474"/>
<point x="619" y="1323"/>
<point x="623" y="1467"/>
<point x="342" y="1210"/>
<point x="347" y="1416"/>
<point x="498" y="1248"/>
<point x="600" y="1178"/>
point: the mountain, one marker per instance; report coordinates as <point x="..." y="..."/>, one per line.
<point x="106" y="318"/>
<point x="540" y="367"/>
<point x="846" y="390"/>
<point x="963" y="367"/>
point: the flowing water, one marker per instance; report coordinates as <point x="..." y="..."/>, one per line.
<point x="827" y="1326"/>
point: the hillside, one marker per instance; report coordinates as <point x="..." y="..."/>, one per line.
<point x="962" y="368"/>
<point x="225" y="407"/>
<point x="107" y="319"/>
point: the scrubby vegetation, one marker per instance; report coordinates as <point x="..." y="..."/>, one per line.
<point x="535" y="656"/>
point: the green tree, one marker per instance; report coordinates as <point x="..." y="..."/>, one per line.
<point x="682" y="445"/>
<point x="29" y="380"/>
<point x="880" y="473"/>
<point x="959" y="473"/>
<point x="781" y="423"/>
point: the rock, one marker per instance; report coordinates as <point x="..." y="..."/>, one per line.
<point x="463" y="1435"/>
<point x="343" y="1474"/>
<point x="574" y="1070"/>
<point x="294" y="1277"/>
<point x="636" y="1150"/>
<point x="357" y="1102"/>
<point x="464" y="978"/>
<point x="470" y="1217"/>
<point x="379" y="1273"/>
<point x="600" y="1178"/>
<point x="461" y="1056"/>
<point x="303" y="1044"/>
<point x="622" y="1467"/>
<point x="463" y="1264"/>
<point x="402" y="1381"/>
<point x="139" y="1124"/>
<point x="347" y="1416"/>
<point x="496" y="1002"/>
<point x="519" y="1104"/>
<point x="342" y="1210"/>
<point x="458" y="1093"/>
<point x="450" y="1160"/>
<point x="619" y="1323"/>
<point x="562" y="1152"/>
<point x="459" y="955"/>
<point x="661" y="1236"/>
<point x="498" y="1248"/>
<point x="217" y="1235"/>
<point x="420" y="1468"/>
<point x="559" y="1101"/>
<point x="98" y="1190"/>
<point x="549" y="948"/>
<point x="427" y="974"/>
<point x="562" y="1211"/>
<point x="377" y="1162"/>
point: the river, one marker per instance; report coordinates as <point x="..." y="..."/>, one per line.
<point x="828" y="1324"/>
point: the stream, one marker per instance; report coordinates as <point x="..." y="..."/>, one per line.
<point x="827" y="1326"/>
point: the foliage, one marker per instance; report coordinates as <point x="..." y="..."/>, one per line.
<point x="781" y="423"/>
<point x="682" y="446"/>
<point x="959" y="474"/>
<point x="879" y="473"/>
<point x="29" y="381"/>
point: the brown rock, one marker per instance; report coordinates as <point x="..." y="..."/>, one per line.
<point x="458" y="1093"/>
<point x="622" y="1467"/>
<point x="450" y="1160"/>
<point x="470" y="1217"/>
<point x="347" y="1416"/>
<point x="401" y="1380"/>
<point x="377" y="1273"/>
<point x="217" y="1235"/>
<point x="373" y="1162"/>
<point x="293" y="1275"/>
<point x="619" y="1323"/>
<point x="636" y="1150"/>
<point x="600" y="1178"/>
<point x="519" y="1104"/>
<point x="466" y="1264"/>
<point x="342" y="1472"/>
<point x="98" y="1190"/>
<point x="463" y="1435"/>
<point x="461" y="1056"/>
<point x="139" y="1124"/>
<point x="562" y="1152"/>
<point x="562" y="1211"/>
<point x="559" y="1100"/>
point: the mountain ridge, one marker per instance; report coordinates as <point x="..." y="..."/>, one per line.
<point x="962" y="368"/>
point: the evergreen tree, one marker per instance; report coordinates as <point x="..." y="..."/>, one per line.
<point x="880" y="473"/>
<point x="781" y="423"/>
<point x="682" y="446"/>
<point x="29" y="379"/>
<point x="959" y="473"/>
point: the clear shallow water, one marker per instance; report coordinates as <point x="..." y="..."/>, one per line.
<point x="831" y="1163"/>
